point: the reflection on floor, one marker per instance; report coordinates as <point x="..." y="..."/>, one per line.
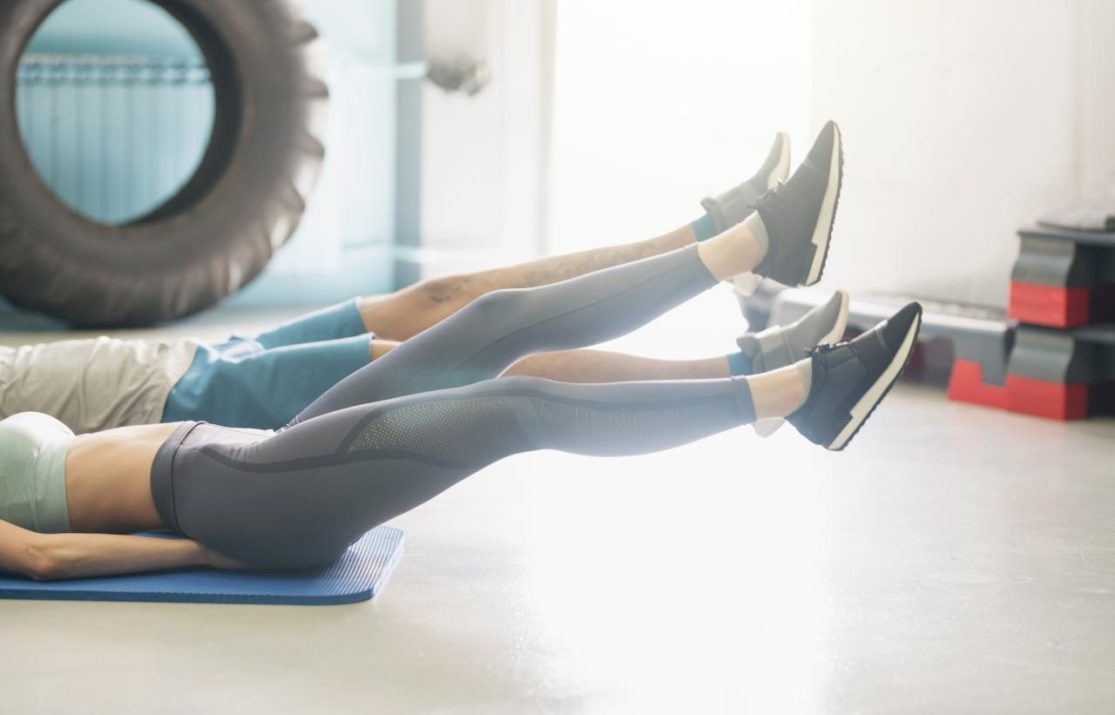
<point x="954" y="559"/>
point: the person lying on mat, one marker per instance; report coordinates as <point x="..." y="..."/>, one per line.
<point x="431" y="412"/>
<point x="263" y="381"/>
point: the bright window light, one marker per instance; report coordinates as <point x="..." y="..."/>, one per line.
<point x="658" y="103"/>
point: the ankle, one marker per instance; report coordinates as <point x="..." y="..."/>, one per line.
<point x="778" y="393"/>
<point x="758" y="231"/>
<point x="733" y="252"/>
<point x="703" y="228"/>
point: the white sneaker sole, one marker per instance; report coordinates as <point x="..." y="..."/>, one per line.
<point x="823" y="230"/>
<point x="768" y="426"/>
<point x="874" y="395"/>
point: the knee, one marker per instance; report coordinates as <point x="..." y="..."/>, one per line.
<point x="453" y="291"/>
<point x="440" y="288"/>
<point x="500" y="306"/>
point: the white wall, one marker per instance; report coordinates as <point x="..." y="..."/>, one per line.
<point x="962" y="120"/>
<point x="659" y="103"/>
<point x="1096" y="90"/>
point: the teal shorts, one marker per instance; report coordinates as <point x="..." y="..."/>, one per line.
<point x="263" y="381"/>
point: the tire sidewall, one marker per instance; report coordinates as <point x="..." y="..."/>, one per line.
<point x="245" y="204"/>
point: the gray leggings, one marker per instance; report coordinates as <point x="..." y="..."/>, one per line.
<point x="413" y="423"/>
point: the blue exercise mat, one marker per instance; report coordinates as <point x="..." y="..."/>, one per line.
<point x="357" y="576"/>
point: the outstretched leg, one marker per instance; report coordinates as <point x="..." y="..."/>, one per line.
<point x="607" y="366"/>
<point x="775" y="347"/>
<point x="484" y="339"/>
<point x="299" y="497"/>
<point x="405" y="313"/>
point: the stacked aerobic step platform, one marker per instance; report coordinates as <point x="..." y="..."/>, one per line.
<point x="1063" y="296"/>
<point x="1052" y="355"/>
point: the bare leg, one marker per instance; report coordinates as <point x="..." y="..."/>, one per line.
<point x="602" y="366"/>
<point x="599" y="366"/>
<point x="407" y="312"/>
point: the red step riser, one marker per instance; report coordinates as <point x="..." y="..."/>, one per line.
<point x="1055" y="306"/>
<point x="966" y="385"/>
<point x="1047" y="399"/>
<point x="1021" y="394"/>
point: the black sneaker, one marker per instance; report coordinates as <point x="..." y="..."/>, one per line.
<point x="736" y="204"/>
<point x="782" y="345"/>
<point x="798" y="215"/>
<point x="850" y="379"/>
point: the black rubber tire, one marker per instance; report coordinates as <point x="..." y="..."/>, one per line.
<point x="221" y="229"/>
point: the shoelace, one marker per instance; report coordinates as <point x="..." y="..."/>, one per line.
<point x="773" y="197"/>
<point x="824" y="348"/>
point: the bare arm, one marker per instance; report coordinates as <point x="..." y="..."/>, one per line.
<point x="47" y="557"/>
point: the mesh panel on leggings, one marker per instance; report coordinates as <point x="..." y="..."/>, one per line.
<point x="466" y="431"/>
<point x="471" y="431"/>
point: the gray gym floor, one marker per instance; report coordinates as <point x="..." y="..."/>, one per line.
<point x="954" y="559"/>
